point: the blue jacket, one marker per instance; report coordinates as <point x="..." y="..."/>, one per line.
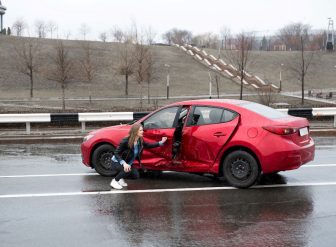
<point x="126" y="154"/>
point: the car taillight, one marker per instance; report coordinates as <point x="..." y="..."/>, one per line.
<point x="281" y="130"/>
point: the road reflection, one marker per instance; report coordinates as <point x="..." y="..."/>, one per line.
<point x="253" y="217"/>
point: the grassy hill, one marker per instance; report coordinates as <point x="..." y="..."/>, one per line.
<point x="187" y="77"/>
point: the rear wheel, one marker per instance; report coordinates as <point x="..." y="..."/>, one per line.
<point x="101" y="160"/>
<point x="241" y="169"/>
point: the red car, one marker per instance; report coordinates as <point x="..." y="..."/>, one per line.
<point x="232" y="138"/>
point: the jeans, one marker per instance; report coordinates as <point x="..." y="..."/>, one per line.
<point x="133" y="173"/>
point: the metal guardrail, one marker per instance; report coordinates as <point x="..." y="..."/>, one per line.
<point x="129" y="116"/>
<point x="69" y="118"/>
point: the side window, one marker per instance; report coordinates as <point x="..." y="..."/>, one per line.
<point x="161" y="120"/>
<point x="228" y="116"/>
<point x="210" y="115"/>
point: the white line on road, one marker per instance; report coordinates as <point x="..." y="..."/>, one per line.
<point x="160" y="190"/>
<point x="50" y="175"/>
<point x="318" y="165"/>
<point x="95" y="174"/>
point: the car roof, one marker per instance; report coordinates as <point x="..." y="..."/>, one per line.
<point x="212" y="102"/>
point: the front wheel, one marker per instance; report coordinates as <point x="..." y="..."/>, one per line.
<point x="102" y="160"/>
<point x="241" y="169"/>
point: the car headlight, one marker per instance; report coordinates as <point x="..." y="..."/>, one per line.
<point x="88" y="137"/>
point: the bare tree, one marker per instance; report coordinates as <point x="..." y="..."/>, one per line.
<point x="149" y="71"/>
<point x="84" y="30"/>
<point x="225" y="36"/>
<point x="126" y="62"/>
<point x="88" y="66"/>
<point x="241" y="57"/>
<point x="27" y="52"/>
<point x="150" y="35"/>
<point x="62" y="70"/>
<point x="51" y="27"/>
<point x="291" y="35"/>
<point x="178" y="36"/>
<point x="103" y="37"/>
<point x="18" y="27"/>
<point x="168" y="37"/>
<point x="217" y="80"/>
<point x="299" y="66"/>
<point x="206" y="40"/>
<point x="67" y="35"/>
<point x="318" y="40"/>
<point x="141" y="54"/>
<point x="40" y="29"/>
<point x="117" y="34"/>
<point x="265" y="94"/>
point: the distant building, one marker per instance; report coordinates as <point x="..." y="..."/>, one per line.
<point x="278" y="45"/>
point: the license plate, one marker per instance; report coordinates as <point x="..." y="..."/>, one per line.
<point x="303" y="131"/>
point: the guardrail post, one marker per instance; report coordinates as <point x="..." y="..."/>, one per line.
<point x="83" y="126"/>
<point x="28" y="128"/>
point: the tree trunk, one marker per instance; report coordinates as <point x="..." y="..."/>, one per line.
<point x="302" y="99"/>
<point x="31" y="84"/>
<point x="140" y="96"/>
<point x="302" y="70"/>
<point x="241" y="84"/>
<point x="63" y="96"/>
<point x="217" y="85"/>
<point x="148" y="93"/>
<point x="126" y="85"/>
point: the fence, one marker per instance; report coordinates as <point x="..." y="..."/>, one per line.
<point x="128" y="116"/>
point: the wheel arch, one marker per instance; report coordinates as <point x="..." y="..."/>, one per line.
<point x="97" y="145"/>
<point x="237" y="148"/>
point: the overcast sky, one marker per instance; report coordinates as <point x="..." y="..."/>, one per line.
<point x="261" y="16"/>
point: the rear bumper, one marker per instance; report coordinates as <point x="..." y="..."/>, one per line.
<point x="291" y="158"/>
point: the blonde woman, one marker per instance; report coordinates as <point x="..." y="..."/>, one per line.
<point x="129" y="149"/>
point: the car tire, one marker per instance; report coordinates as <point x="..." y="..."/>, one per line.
<point x="101" y="160"/>
<point x="240" y="169"/>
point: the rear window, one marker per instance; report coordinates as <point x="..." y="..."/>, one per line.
<point x="263" y="110"/>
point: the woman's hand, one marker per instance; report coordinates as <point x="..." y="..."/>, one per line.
<point x="164" y="139"/>
<point x="127" y="167"/>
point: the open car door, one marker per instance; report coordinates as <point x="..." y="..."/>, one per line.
<point x="158" y="125"/>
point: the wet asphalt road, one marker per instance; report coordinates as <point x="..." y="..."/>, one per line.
<point x="47" y="198"/>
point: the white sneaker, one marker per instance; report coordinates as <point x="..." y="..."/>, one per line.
<point x="114" y="184"/>
<point x="122" y="182"/>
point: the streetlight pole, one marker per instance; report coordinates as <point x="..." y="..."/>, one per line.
<point x="168" y="79"/>
<point x="281" y="65"/>
<point x="210" y="79"/>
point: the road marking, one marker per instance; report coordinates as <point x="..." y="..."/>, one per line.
<point x="161" y="190"/>
<point x="50" y="175"/>
<point x="96" y="174"/>
<point x="317" y="165"/>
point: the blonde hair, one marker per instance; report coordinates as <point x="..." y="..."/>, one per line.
<point x="132" y="134"/>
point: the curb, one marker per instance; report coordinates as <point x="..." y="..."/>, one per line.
<point x="323" y="132"/>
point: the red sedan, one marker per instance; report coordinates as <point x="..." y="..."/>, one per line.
<point x="232" y="138"/>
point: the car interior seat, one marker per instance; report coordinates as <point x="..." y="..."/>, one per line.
<point x="215" y="116"/>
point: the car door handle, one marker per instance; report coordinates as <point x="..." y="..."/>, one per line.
<point x="218" y="134"/>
